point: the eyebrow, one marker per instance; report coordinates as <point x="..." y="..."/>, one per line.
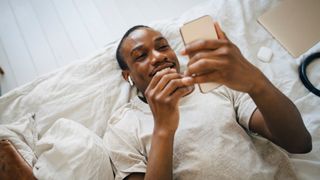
<point x="159" y="38"/>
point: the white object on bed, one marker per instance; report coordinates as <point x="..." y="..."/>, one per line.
<point x="89" y="91"/>
<point x="264" y="54"/>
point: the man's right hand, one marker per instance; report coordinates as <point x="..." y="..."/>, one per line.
<point x="163" y="95"/>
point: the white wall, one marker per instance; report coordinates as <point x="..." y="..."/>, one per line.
<point x="38" y="36"/>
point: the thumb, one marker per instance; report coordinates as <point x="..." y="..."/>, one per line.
<point x="214" y="76"/>
<point x="220" y="33"/>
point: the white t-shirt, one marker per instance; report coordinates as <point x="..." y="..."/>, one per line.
<point x="209" y="142"/>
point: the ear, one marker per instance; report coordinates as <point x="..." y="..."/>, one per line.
<point x="125" y="74"/>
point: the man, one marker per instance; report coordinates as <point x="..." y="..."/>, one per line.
<point x="171" y="131"/>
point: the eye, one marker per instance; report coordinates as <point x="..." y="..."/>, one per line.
<point x="163" y="47"/>
<point x="141" y="56"/>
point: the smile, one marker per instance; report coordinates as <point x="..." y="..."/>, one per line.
<point x="162" y="68"/>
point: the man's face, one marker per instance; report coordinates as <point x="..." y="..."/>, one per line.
<point x="146" y="52"/>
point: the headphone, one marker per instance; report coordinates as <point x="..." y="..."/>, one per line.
<point x="303" y="73"/>
<point x="130" y="81"/>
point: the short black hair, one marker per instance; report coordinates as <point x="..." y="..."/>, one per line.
<point x="122" y="63"/>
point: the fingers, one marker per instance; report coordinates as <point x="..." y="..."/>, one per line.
<point x="161" y="79"/>
<point x="156" y="78"/>
<point x="172" y="86"/>
<point x="176" y="95"/>
<point x="166" y="79"/>
<point x="164" y="84"/>
<point x="200" y="55"/>
<point x="216" y="54"/>
<point x="220" y="33"/>
<point x="214" y="76"/>
<point x="204" y="66"/>
<point x="201" y="45"/>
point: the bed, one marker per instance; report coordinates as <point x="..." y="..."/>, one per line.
<point x="57" y="121"/>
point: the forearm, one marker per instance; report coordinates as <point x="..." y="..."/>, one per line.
<point x="160" y="157"/>
<point x="163" y="93"/>
<point x="281" y="116"/>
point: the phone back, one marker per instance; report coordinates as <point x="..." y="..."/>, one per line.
<point x="200" y="28"/>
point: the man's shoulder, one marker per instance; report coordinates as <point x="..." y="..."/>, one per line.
<point x="125" y="116"/>
<point x="227" y="93"/>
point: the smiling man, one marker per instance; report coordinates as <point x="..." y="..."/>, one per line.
<point x="172" y="131"/>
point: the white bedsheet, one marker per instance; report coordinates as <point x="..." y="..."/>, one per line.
<point x="88" y="91"/>
<point x="68" y="150"/>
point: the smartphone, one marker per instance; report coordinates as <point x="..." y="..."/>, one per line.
<point x="200" y="28"/>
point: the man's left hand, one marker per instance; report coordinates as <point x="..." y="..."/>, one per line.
<point x="221" y="61"/>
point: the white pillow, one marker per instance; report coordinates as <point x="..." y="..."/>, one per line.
<point x="68" y="150"/>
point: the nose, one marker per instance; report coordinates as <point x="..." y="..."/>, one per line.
<point x="158" y="57"/>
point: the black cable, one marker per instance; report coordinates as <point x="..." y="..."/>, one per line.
<point x="303" y="73"/>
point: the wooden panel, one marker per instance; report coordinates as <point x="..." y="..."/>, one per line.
<point x="94" y="22"/>
<point x="36" y="41"/>
<point x="7" y="81"/>
<point x="131" y="12"/>
<point x="54" y="31"/>
<point x="175" y="8"/>
<point x="151" y="10"/>
<point x="112" y="16"/>
<point x="14" y="45"/>
<point x="78" y="34"/>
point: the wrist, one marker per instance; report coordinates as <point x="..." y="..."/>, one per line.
<point x="260" y="85"/>
<point x="163" y="133"/>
